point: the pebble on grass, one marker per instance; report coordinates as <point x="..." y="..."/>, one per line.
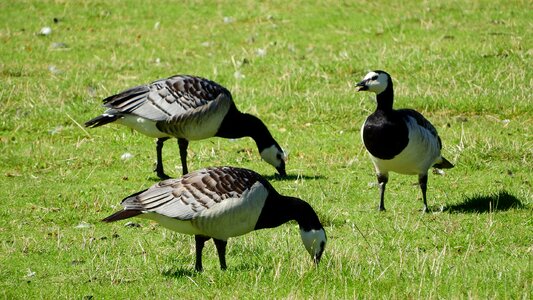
<point x="45" y="31"/>
<point x="126" y="156"/>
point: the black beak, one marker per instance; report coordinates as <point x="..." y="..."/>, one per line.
<point x="281" y="169"/>
<point x="361" y="86"/>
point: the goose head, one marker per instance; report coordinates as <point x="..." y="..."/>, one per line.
<point x="315" y="242"/>
<point x="375" y="81"/>
<point x="275" y="156"/>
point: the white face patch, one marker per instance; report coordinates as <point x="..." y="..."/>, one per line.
<point x="274" y="156"/>
<point x="314" y="242"/>
<point x="376" y="82"/>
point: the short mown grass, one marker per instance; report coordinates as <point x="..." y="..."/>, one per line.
<point x="466" y="65"/>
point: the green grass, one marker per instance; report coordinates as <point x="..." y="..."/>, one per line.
<point x="466" y="65"/>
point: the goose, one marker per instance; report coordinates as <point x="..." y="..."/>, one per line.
<point x="219" y="203"/>
<point x="402" y="140"/>
<point x="187" y="108"/>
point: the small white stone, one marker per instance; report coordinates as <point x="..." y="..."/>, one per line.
<point x="261" y="52"/>
<point x="238" y="75"/>
<point x="56" y="130"/>
<point x="83" y="225"/>
<point x="58" y="45"/>
<point x="126" y="156"/>
<point x="30" y="273"/>
<point x="54" y="70"/>
<point x="344" y="54"/>
<point x="45" y="31"/>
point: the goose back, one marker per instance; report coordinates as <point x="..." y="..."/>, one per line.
<point x="171" y="107"/>
<point x="215" y="202"/>
<point x="165" y="98"/>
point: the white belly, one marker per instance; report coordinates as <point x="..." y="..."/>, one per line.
<point x="421" y="153"/>
<point x="233" y="217"/>
<point x="403" y="163"/>
<point x="142" y="125"/>
<point x="185" y="227"/>
<point x="200" y="123"/>
<point x="229" y="218"/>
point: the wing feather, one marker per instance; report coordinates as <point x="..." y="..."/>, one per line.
<point x="423" y="122"/>
<point x="186" y="197"/>
<point x="166" y="98"/>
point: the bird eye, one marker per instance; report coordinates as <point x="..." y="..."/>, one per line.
<point x="374" y="77"/>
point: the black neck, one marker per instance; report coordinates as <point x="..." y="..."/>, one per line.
<point x="385" y="99"/>
<point x="280" y="209"/>
<point x="238" y="125"/>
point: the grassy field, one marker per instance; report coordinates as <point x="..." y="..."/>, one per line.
<point x="466" y="65"/>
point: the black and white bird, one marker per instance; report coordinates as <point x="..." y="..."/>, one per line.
<point x="187" y="108"/>
<point x="402" y="140"/>
<point x="219" y="203"/>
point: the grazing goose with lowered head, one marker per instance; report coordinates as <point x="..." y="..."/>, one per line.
<point x="220" y="203"/>
<point x="402" y="140"/>
<point x="187" y="108"/>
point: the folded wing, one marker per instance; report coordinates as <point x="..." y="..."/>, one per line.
<point x="165" y="98"/>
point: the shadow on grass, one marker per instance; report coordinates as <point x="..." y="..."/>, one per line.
<point x="179" y="272"/>
<point x="292" y="177"/>
<point x="486" y="203"/>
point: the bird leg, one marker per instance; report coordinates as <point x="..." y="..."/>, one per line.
<point x="423" y="181"/>
<point x="200" y="242"/>
<point x="183" y="144"/>
<point x="382" y="181"/>
<point x="159" y="166"/>
<point x="221" y="249"/>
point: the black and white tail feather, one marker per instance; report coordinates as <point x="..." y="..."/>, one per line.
<point x="401" y="141"/>
<point x="187" y="108"/>
<point x="101" y="120"/>
<point x="220" y="203"/>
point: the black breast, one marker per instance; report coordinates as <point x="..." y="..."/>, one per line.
<point x="385" y="135"/>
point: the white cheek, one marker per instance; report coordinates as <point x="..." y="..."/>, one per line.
<point x="312" y="240"/>
<point x="378" y="88"/>
<point x="270" y="156"/>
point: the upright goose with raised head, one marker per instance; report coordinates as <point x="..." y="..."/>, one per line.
<point x="402" y="140"/>
<point x="220" y="203"/>
<point x="187" y="108"/>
